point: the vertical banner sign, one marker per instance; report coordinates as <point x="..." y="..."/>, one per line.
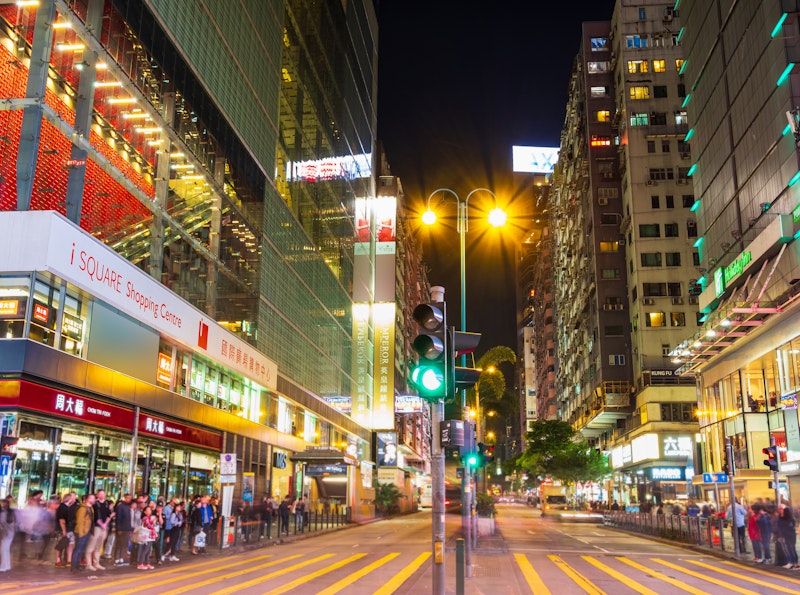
<point x="383" y="374"/>
<point x="361" y="407"/>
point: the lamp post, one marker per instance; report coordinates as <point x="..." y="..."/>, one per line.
<point x="497" y="218"/>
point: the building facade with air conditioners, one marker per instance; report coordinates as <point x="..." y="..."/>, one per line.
<point x="593" y="375"/>
<point x="743" y="89"/>
<point x="654" y="454"/>
<point x="628" y="255"/>
<point x="221" y="160"/>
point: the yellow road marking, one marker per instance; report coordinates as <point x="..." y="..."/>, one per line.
<point x="350" y="579"/>
<point x="39" y="588"/>
<point x="709" y="579"/>
<point x="785" y="579"/>
<point x="185" y="572"/>
<point x="258" y="580"/>
<point x="661" y="576"/>
<point x="308" y="577"/>
<point x="638" y="587"/>
<point x="576" y="576"/>
<point x="402" y="576"/>
<point x="743" y="577"/>
<point x="533" y="580"/>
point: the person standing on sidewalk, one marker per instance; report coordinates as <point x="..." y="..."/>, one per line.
<point x="124" y="526"/>
<point x="738" y="514"/>
<point x="755" y="533"/>
<point x="8" y="527"/>
<point x="84" y="525"/>
<point x="764" y="521"/>
<point x="787" y="537"/>
<point x="102" y="518"/>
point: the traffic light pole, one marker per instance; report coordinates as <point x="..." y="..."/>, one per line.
<point x="732" y="497"/>
<point x="437" y="506"/>
<point x="773" y="444"/>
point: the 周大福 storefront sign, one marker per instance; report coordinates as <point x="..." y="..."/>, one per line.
<point x="172" y="430"/>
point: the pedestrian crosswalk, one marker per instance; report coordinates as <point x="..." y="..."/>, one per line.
<point x="384" y="572"/>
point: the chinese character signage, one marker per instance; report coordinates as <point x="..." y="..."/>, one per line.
<point x="362" y="406"/>
<point x="677" y="446"/>
<point x="156" y="426"/>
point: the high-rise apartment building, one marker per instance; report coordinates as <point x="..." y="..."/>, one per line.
<point x="208" y="162"/>
<point x="590" y="270"/>
<point x="626" y="265"/>
<point x="742" y="91"/>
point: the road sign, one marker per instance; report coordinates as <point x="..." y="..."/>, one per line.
<point x="5" y="465"/>
<point x="715" y="478"/>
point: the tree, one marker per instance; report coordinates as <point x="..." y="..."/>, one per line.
<point x="491" y="386"/>
<point x="386" y="498"/>
<point x="556" y="449"/>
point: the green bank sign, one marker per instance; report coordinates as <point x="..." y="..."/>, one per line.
<point x="723" y="276"/>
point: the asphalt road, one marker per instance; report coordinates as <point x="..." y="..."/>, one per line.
<point x="534" y="555"/>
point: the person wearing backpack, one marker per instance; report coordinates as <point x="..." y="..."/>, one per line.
<point x="8" y="527"/>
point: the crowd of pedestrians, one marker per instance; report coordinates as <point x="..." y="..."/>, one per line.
<point x="86" y="532"/>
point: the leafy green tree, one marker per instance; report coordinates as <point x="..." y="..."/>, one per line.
<point x="387" y="496"/>
<point x="556" y="449"/>
<point x="491" y="386"/>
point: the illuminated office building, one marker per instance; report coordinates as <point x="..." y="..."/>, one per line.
<point x="221" y="152"/>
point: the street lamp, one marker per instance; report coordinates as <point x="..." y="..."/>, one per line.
<point x="497" y="218"/>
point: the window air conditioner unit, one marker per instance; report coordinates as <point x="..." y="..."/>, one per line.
<point x="651" y="182"/>
<point x="682" y="181"/>
<point x="693" y="300"/>
<point x="676" y="301"/>
<point x="608" y="307"/>
<point x="603" y="202"/>
<point x="648" y="301"/>
<point x="619" y="306"/>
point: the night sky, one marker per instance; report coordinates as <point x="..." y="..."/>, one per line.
<point x="459" y="84"/>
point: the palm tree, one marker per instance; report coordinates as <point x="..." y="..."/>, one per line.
<point x="491" y="385"/>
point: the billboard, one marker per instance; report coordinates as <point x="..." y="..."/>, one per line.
<point x="534" y="160"/>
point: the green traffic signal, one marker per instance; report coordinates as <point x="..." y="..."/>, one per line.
<point x="428" y="378"/>
<point x="473" y="460"/>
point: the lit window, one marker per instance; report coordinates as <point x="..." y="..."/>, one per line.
<point x="607" y="192"/>
<point x="603" y="115"/>
<point x="609" y="246"/>
<point x="640" y="119"/>
<point x="659" y="66"/>
<point x="680" y="117"/>
<point x="677" y="319"/>
<point x="595" y="67"/>
<point x="599" y="44"/>
<point x="636" y="66"/>
<point x="638" y="92"/>
<point x="599" y="91"/>
<point x="616" y="360"/>
<point x="679" y="64"/>
<point x="655" y="319"/>
<point x="600" y="141"/>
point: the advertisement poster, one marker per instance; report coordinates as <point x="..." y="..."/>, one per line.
<point x="248" y="485"/>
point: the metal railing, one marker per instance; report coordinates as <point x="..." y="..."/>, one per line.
<point x="258" y="528"/>
<point x="703" y="531"/>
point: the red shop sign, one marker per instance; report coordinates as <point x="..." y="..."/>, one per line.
<point x="151" y="425"/>
<point x="28" y="395"/>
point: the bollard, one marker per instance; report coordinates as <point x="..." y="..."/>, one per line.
<point x="460" y="566"/>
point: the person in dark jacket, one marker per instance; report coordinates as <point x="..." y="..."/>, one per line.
<point x="124" y="526"/>
<point x="764" y="522"/>
<point x="787" y="536"/>
<point x="283" y="512"/>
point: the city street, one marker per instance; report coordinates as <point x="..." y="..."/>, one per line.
<point x="535" y="555"/>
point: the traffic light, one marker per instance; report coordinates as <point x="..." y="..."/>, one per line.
<point x="460" y="344"/>
<point x="473" y="460"/>
<point x="7" y="446"/>
<point x="772" y="458"/>
<point x="488" y="453"/>
<point x="430" y="374"/>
